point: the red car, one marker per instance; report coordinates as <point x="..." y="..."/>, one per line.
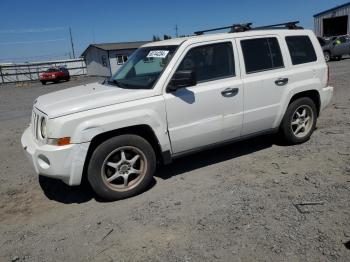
<point x="54" y="74"/>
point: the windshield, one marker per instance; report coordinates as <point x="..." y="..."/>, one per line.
<point x="143" y="68"/>
<point x="52" y="70"/>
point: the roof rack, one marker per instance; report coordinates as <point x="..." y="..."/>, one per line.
<point x="288" y="25"/>
<point x="235" y="28"/>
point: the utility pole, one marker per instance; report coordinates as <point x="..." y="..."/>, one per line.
<point x="93" y="36"/>
<point x="71" y="41"/>
<point x="176" y="31"/>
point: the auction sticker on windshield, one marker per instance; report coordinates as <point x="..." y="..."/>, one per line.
<point x="158" y="53"/>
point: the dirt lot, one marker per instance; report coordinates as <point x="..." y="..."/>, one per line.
<point x="240" y="202"/>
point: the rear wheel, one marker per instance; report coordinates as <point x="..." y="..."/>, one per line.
<point x="338" y="58"/>
<point x="43" y="82"/>
<point x="299" y="121"/>
<point x="327" y="56"/>
<point x="121" y="167"/>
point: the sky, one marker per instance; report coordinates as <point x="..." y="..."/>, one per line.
<point x="39" y="30"/>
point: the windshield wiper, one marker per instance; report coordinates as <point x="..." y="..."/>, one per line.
<point x="115" y="83"/>
<point x="119" y="84"/>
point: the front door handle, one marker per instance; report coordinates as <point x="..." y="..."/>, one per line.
<point x="229" y="92"/>
<point x="281" y="81"/>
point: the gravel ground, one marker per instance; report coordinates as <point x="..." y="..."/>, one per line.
<point x="255" y="200"/>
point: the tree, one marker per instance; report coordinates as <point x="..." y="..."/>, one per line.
<point x="165" y="37"/>
<point x="155" y="38"/>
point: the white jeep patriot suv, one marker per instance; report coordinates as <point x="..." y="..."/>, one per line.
<point x="179" y="96"/>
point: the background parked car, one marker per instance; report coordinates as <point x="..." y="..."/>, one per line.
<point x="335" y="47"/>
<point x="54" y="74"/>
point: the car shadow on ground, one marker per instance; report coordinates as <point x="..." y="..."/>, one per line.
<point x="217" y="155"/>
<point x="58" y="191"/>
<point x="55" y="83"/>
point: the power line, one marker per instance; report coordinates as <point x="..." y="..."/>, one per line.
<point x="46" y="56"/>
<point x="32" y="30"/>
<point x="32" y="42"/>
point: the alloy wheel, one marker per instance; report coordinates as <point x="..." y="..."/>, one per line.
<point x="302" y="121"/>
<point x="124" y="168"/>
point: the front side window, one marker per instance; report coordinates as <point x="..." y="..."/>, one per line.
<point x="261" y="54"/>
<point x="301" y="49"/>
<point x="143" y="68"/>
<point x="210" y="62"/>
<point x="342" y="39"/>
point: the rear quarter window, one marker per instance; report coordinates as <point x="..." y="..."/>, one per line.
<point x="301" y="49"/>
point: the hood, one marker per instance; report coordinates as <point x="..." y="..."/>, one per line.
<point x="85" y="97"/>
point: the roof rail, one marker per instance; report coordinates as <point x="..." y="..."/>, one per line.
<point x="246" y="27"/>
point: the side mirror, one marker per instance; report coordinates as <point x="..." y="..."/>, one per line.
<point x="181" y="79"/>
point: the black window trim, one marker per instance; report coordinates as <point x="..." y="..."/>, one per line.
<point x="217" y="78"/>
<point x="290" y="55"/>
<point x="263" y="70"/>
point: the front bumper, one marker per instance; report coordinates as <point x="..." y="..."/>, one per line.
<point x="65" y="163"/>
<point x="326" y="95"/>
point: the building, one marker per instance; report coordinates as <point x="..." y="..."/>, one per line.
<point x="105" y="59"/>
<point x="334" y="21"/>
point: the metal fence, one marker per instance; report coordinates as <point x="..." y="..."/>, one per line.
<point x="10" y="73"/>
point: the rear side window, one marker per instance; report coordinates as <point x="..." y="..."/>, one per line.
<point x="210" y="62"/>
<point x="261" y="54"/>
<point x="301" y="49"/>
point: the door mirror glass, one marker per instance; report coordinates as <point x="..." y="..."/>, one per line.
<point x="181" y="79"/>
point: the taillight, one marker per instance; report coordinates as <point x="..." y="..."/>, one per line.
<point x="327" y="75"/>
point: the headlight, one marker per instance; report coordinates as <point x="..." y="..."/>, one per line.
<point x="43" y="128"/>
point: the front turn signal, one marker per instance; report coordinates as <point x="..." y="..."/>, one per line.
<point x="59" y="141"/>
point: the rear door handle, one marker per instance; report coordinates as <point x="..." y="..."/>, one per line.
<point x="281" y="81"/>
<point x="230" y="92"/>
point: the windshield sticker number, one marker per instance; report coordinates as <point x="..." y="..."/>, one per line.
<point x="158" y="53"/>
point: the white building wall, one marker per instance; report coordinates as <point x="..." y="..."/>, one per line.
<point x="94" y="65"/>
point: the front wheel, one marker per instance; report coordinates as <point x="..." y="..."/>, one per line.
<point x="299" y="121"/>
<point x="121" y="167"/>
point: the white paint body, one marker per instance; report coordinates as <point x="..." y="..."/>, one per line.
<point x="182" y="121"/>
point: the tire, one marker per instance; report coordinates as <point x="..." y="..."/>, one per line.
<point x="338" y="58"/>
<point x="108" y="157"/>
<point x="327" y="56"/>
<point x="295" y="118"/>
<point x="43" y="82"/>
